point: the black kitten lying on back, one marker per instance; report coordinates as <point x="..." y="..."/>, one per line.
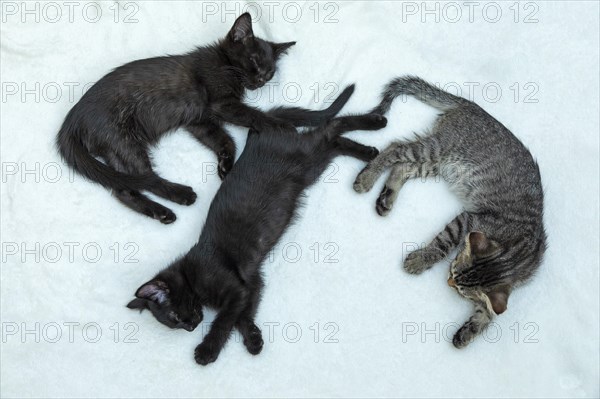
<point x="250" y="212"/>
<point x="129" y="109"/>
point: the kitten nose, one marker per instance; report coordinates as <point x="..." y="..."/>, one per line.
<point x="451" y="282"/>
<point x="261" y="81"/>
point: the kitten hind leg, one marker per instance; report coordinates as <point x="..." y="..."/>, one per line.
<point x="138" y="162"/>
<point x="438" y="249"/>
<point x="399" y="175"/>
<point x="212" y="344"/>
<point x="344" y="124"/>
<point x="252" y="335"/>
<point x="344" y="146"/>
<point x="473" y="327"/>
<point x="246" y="325"/>
<point x="178" y="193"/>
<point x="140" y="203"/>
<point x="134" y="199"/>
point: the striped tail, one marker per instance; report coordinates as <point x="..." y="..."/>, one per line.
<point x="422" y="91"/>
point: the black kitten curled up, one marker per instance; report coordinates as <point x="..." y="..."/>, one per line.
<point x="128" y="110"/>
<point x="250" y="212"/>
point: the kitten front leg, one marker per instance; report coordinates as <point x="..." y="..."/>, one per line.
<point x="366" y="178"/>
<point x="425" y="153"/>
<point x="438" y="249"/>
<point x="219" y="141"/>
<point x="208" y="351"/>
<point x="473" y="327"/>
<point x="241" y="114"/>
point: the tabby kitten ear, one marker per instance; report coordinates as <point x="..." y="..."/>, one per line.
<point x="281" y="48"/>
<point x="154" y="290"/>
<point x="242" y="28"/>
<point x="499" y="299"/>
<point x="481" y="246"/>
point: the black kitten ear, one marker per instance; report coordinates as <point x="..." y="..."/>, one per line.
<point x="137" y="303"/>
<point x="154" y="290"/>
<point x="281" y="48"/>
<point x="242" y="28"/>
<point x="481" y="246"/>
<point x="499" y="299"/>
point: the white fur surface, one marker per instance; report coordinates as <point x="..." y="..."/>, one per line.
<point x="370" y="303"/>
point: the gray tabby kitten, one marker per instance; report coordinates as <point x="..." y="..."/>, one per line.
<point x="500" y="234"/>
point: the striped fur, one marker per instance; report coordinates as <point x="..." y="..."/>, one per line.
<point x="499" y="184"/>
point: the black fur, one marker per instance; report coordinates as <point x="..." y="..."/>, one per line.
<point x="129" y="109"/>
<point x="250" y="212"/>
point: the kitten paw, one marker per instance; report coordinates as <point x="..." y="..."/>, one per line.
<point x="384" y="203"/>
<point x="417" y="262"/>
<point x="205" y="354"/>
<point x="363" y="182"/>
<point x="225" y="165"/>
<point x="253" y="341"/>
<point x="180" y="194"/>
<point x="164" y="215"/>
<point x="372" y="154"/>
<point x="465" y="335"/>
<point x="378" y="121"/>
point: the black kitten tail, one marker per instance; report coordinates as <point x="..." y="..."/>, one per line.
<point x="303" y="117"/>
<point x="76" y="155"/>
